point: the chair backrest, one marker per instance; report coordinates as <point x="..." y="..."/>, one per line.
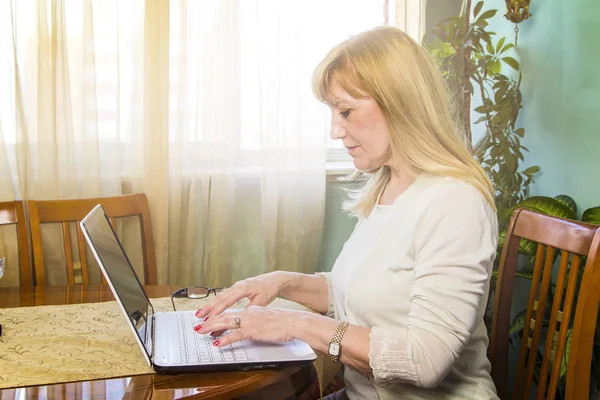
<point x="68" y="211"/>
<point x="571" y="240"/>
<point x="13" y="212"/>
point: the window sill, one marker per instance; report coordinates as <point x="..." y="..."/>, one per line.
<point x="337" y="169"/>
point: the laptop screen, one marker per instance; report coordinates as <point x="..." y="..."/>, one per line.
<point x="120" y="274"/>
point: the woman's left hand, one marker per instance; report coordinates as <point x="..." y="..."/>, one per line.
<point x="255" y="323"/>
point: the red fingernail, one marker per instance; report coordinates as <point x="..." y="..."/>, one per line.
<point x="197" y="328"/>
<point x="206" y="319"/>
<point x="216" y="342"/>
<point x="197" y="312"/>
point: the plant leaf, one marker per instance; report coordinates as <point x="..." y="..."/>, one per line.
<point x="480" y="119"/>
<point x="544" y="205"/>
<point x="488" y="14"/>
<point x="510" y="160"/>
<point x="486" y="37"/>
<point x="591" y="215"/>
<point x="532" y="170"/>
<point x="528" y="247"/>
<point x="477" y="8"/>
<point x="521" y="132"/>
<point x="518" y="324"/>
<point x="507" y="47"/>
<point x="565" y="359"/>
<point x="500" y="43"/>
<point x="494" y="66"/>
<point x="481" y="110"/>
<point x="567" y="201"/>
<point x="512" y="62"/>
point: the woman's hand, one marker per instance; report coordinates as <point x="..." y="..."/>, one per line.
<point x="255" y="323"/>
<point x="261" y="291"/>
<point x="268" y="324"/>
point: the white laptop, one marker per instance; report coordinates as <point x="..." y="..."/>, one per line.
<point x="167" y="339"/>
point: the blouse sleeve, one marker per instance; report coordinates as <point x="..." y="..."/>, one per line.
<point x="331" y="311"/>
<point x="455" y="246"/>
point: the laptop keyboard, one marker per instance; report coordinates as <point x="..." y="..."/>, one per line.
<point x="198" y="349"/>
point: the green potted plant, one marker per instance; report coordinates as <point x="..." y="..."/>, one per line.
<point x="473" y="61"/>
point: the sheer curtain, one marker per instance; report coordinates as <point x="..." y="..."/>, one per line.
<point x="205" y="106"/>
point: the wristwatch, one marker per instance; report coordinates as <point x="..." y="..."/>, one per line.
<point x="336" y="340"/>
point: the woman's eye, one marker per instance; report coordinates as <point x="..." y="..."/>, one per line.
<point x="345" y="114"/>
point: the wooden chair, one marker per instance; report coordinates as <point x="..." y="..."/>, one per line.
<point x="68" y="211"/>
<point x="13" y="212"/>
<point x="571" y="240"/>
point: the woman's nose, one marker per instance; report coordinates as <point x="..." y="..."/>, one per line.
<point x="337" y="131"/>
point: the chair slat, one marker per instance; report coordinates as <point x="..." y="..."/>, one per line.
<point x="537" y="270"/>
<point x="66" y="232"/>
<point x="82" y="255"/>
<point x="61" y="211"/>
<point x="36" y="237"/>
<point x="552" y="336"/>
<point x="564" y="327"/>
<point x="150" y="273"/>
<point x="537" y="332"/>
<point x="13" y="212"/>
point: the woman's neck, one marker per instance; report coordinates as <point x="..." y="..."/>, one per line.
<point x="400" y="180"/>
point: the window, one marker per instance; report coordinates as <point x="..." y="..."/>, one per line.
<point x="305" y="31"/>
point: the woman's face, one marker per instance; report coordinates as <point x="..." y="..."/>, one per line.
<point x="360" y="124"/>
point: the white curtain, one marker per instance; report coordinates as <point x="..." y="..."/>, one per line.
<point x="205" y="106"/>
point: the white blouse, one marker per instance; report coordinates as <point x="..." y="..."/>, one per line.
<point x="417" y="273"/>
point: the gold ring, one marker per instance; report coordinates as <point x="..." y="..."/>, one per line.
<point x="238" y="322"/>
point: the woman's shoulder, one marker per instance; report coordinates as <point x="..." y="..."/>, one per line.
<point x="446" y="188"/>
<point x="458" y="203"/>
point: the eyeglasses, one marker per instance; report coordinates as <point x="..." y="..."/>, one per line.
<point x="193" y="292"/>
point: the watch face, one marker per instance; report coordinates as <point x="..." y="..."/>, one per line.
<point x="334" y="349"/>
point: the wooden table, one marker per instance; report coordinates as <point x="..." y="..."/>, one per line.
<point x="264" y="384"/>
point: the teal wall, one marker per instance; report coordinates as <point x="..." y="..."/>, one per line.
<point x="560" y="59"/>
<point x="338" y="226"/>
<point x="559" y="51"/>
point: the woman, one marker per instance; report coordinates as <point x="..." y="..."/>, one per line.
<point x="405" y="300"/>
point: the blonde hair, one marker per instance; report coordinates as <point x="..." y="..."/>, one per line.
<point x="387" y="65"/>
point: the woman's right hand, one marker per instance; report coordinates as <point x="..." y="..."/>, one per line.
<point x="260" y="290"/>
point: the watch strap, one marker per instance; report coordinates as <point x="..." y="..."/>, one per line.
<point x="337" y="338"/>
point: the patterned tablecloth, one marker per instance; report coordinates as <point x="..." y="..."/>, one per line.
<point x="81" y="342"/>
